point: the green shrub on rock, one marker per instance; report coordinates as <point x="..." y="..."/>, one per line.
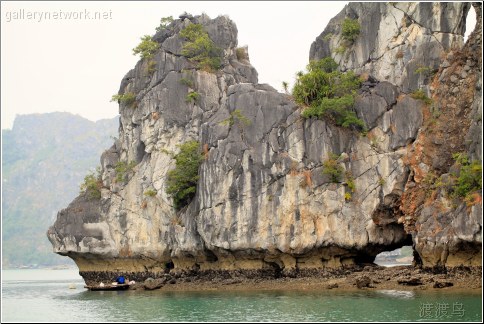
<point x="192" y="96"/>
<point x="241" y="54"/>
<point x="469" y="179"/>
<point x="420" y="95"/>
<point x="182" y="181"/>
<point x="328" y="93"/>
<point x="236" y="115"/>
<point x="186" y="81"/>
<point x="150" y="192"/>
<point x="123" y="169"/>
<point x="333" y="169"/>
<point x="164" y="23"/>
<point x="146" y="48"/>
<point x="92" y="184"/>
<point x="199" y="48"/>
<point x="350" y="29"/>
<point x="150" y="67"/>
<point x="127" y="98"/>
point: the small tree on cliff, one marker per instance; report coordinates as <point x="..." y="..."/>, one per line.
<point x="328" y="93"/>
<point x="350" y="29"/>
<point x="182" y="181"/>
<point x="199" y="48"/>
<point x="285" y="86"/>
<point x="92" y="184"/>
<point x="146" y="48"/>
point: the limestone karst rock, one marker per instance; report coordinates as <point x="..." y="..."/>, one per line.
<point x="262" y="200"/>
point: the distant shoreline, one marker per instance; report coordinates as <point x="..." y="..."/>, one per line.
<point x="58" y="267"/>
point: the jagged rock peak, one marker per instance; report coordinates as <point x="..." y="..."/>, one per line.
<point x="221" y="30"/>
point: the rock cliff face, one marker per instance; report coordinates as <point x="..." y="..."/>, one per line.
<point x="262" y="201"/>
<point x="448" y="232"/>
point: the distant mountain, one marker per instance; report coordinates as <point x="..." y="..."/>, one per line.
<point x="44" y="159"/>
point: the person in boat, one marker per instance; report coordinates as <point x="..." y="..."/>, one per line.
<point x="120" y="280"/>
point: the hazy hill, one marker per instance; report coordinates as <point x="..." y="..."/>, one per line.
<point x="44" y="159"/>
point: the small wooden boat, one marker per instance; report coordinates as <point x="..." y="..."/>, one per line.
<point x="108" y="287"/>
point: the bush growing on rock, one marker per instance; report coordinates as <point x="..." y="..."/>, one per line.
<point x="425" y="70"/>
<point x="350" y="29"/>
<point x="241" y="54"/>
<point x="92" y="184"/>
<point x="285" y="86"/>
<point x="182" y="181"/>
<point x="127" y="98"/>
<point x="146" y="48"/>
<point x="192" y="96"/>
<point x="236" y="115"/>
<point x="122" y="169"/>
<point x="350" y="181"/>
<point x="333" y="169"/>
<point x="164" y="23"/>
<point x="186" y="81"/>
<point x="420" y="95"/>
<point x="328" y="93"/>
<point x="340" y="50"/>
<point x="199" y="48"/>
<point x="150" y="67"/>
<point x="347" y="196"/>
<point x="150" y="192"/>
<point x="469" y="179"/>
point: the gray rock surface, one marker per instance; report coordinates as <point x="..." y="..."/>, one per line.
<point x="395" y="39"/>
<point x="369" y="108"/>
<point x="406" y="119"/>
<point x="152" y="284"/>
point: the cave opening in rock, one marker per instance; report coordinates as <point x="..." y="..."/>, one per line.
<point x="400" y="256"/>
<point x="169" y="265"/>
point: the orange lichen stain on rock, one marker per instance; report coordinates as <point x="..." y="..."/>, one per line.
<point x="444" y="123"/>
<point x="307" y="178"/>
<point x="364" y="76"/>
<point x="125" y="251"/>
<point x="293" y="171"/>
<point x="473" y="199"/>
<point x="205" y="151"/>
<point x="393" y="128"/>
<point x="413" y="160"/>
<point x="430" y="198"/>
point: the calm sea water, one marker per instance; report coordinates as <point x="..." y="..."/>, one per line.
<point x="44" y="296"/>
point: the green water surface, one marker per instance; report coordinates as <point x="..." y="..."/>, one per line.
<point x="44" y="295"/>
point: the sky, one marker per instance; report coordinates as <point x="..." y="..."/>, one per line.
<point x="76" y="64"/>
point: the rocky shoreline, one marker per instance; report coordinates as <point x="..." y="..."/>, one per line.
<point x="345" y="278"/>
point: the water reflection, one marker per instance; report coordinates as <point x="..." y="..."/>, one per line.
<point x="397" y="293"/>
